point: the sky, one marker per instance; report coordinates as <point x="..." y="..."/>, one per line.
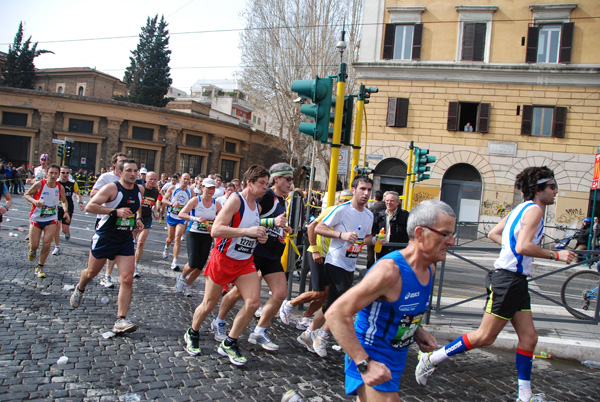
<point x="204" y="34"/>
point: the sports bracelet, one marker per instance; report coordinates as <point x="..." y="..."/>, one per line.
<point x="340" y="236"/>
<point x="557" y="256"/>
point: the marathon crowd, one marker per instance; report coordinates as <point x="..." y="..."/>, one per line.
<point x="236" y="236"/>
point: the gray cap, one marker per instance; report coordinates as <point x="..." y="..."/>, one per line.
<point x="208" y="183"/>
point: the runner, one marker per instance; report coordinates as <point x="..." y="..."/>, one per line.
<point x="44" y="196"/>
<point x="519" y="234"/>
<point x="118" y="203"/>
<point x="229" y="189"/>
<point x="267" y="258"/>
<point x="162" y="207"/>
<point x="176" y="197"/>
<point x="70" y="189"/>
<point x="39" y="173"/>
<point x="391" y="301"/>
<point x="236" y="230"/>
<point x="148" y="212"/>
<point x="201" y="213"/>
<point x="8" y="203"/>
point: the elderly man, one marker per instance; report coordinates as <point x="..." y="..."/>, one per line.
<point x="393" y="220"/>
<point x="391" y="301"/>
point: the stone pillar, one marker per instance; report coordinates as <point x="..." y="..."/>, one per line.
<point x="112" y="144"/>
<point x="44" y="141"/>
<point x="170" y="151"/>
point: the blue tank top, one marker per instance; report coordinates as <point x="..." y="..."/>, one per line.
<point x="385" y="327"/>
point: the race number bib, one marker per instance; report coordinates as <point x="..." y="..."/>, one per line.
<point x="47" y="211"/>
<point x="408" y="326"/>
<point x="176" y="210"/>
<point x="355" y="249"/>
<point x="245" y="245"/>
<point x="203" y="225"/>
<point x="148" y="202"/>
<point x="126" y="223"/>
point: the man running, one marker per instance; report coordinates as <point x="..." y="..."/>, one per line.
<point x="519" y="234"/>
<point x="39" y="173"/>
<point x="149" y="211"/>
<point x="236" y="230"/>
<point x="176" y="197"/>
<point x="391" y="301"/>
<point x="118" y="203"/>
<point x="70" y="189"/>
<point x="44" y="196"/>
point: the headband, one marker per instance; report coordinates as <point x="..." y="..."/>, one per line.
<point x="542" y="181"/>
<point x="282" y="173"/>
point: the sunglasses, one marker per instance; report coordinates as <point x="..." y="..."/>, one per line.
<point x="64" y="172"/>
<point x="553" y="186"/>
<point x="444" y="235"/>
<point x="289" y="179"/>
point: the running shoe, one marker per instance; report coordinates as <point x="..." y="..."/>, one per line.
<point x="233" y="352"/>
<point x="303" y="323"/>
<point x="31" y="255"/>
<point x="175" y="267"/>
<point x="67" y="235"/>
<point x="263" y="340"/>
<point x="258" y="312"/>
<point x="219" y="329"/>
<point x="305" y="339"/>
<point x="136" y="274"/>
<point x="187" y="290"/>
<point x="179" y="284"/>
<point x="76" y="298"/>
<point x="106" y="282"/>
<point x="424" y="368"/>
<point x="124" y="326"/>
<point x="56" y="250"/>
<point x="192" y="343"/>
<point x="285" y="312"/>
<point x="39" y="271"/>
<point x="319" y="343"/>
<point x="535" y="398"/>
<point x="166" y="253"/>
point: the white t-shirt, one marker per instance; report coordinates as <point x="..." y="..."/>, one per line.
<point x="219" y="191"/>
<point x="104" y="179"/>
<point x="344" y="218"/>
<point x="221" y="200"/>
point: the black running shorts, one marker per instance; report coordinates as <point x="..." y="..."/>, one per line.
<point x="508" y="292"/>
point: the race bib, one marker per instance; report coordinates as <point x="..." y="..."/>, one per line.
<point x="176" y="210"/>
<point x="126" y="223"/>
<point x="355" y="248"/>
<point x="408" y="326"/>
<point x="47" y="211"/>
<point x="148" y="202"/>
<point x="203" y="225"/>
<point x="245" y="245"/>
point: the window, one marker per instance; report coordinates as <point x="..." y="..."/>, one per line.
<point x="473" y="44"/>
<point x="80" y="91"/>
<point x="14" y="119"/>
<point x="550" y="43"/>
<point x="193" y="140"/>
<point x="397" y="114"/>
<point x="142" y="156"/>
<point x="227" y="169"/>
<point x="477" y="115"/>
<point x="230" y="147"/>
<point x="142" y="133"/>
<point x="60" y="90"/>
<point x="544" y="121"/>
<point x="81" y="126"/>
<point x="191" y="164"/>
<point x="402" y="41"/>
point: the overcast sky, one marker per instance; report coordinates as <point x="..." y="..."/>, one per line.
<point x="60" y="26"/>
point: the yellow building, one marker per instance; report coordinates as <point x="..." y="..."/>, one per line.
<point x="525" y="75"/>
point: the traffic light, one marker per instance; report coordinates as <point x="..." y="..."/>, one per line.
<point x="319" y="92"/>
<point x="68" y="152"/>
<point x="346" y="119"/>
<point x="306" y="170"/>
<point x="421" y="160"/>
<point x="61" y="150"/>
<point x="365" y="93"/>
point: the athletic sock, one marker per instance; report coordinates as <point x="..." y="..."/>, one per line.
<point x="259" y="330"/>
<point x="218" y="320"/>
<point x="230" y="341"/>
<point x="524" y="361"/>
<point x="459" y="345"/>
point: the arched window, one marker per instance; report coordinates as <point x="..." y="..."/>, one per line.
<point x="60" y="90"/>
<point x="80" y="91"/>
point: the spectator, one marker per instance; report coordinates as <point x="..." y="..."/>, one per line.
<point x="393" y="220"/>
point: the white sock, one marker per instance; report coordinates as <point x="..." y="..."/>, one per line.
<point x="136" y="266"/>
<point x="525" y="390"/>
<point x="218" y="320"/>
<point x="174" y="261"/>
<point x="259" y="330"/>
<point x="438" y="356"/>
<point x="322" y="333"/>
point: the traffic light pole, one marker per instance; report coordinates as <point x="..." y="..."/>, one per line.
<point x="337" y="136"/>
<point x="407" y="183"/>
<point x="360" y="105"/>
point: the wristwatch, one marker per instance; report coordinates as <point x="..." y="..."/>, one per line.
<point x="363" y="365"/>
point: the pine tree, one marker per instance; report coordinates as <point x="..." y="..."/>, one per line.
<point x="148" y="77"/>
<point x="19" y="69"/>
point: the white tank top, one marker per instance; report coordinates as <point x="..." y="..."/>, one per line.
<point x="240" y="248"/>
<point x="183" y="196"/>
<point x="51" y="198"/>
<point x="208" y="214"/>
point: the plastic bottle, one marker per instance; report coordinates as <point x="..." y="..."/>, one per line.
<point x="104" y="300"/>
<point x="62" y="360"/>
<point x="591" y="363"/>
<point x="380" y="236"/>
<point x="291" y="396"/>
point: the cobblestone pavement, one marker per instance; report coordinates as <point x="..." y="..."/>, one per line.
<point x="38" y="327"/>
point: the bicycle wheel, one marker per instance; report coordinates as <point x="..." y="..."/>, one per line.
<point x="580" y="293"/>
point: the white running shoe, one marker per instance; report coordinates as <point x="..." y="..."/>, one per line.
<point x="56" y="250"/>
<point x="179" y="284"/>
<point x="166" y="253"/>
<point x="535" y="398"/>
<point x="263" y="340"/>
<point x="424" y="368"/>
<point x="305" y="339"/>
<point x="106" y="282"/>
<point x="219" y="330"/>
<point x="174" y="266"/>
<point x="187" y="290"/>
<point x="303" y="323"/>
<point x="319" y="343"/>
<point x="258" y="312"/>
<point x="285" y="312"/>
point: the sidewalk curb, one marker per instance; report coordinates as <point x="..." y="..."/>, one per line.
<point x="567" y="349"/>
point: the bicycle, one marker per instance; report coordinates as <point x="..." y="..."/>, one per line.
<point x="580" y="293"/>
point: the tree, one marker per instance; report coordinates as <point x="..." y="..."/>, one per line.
<point x="287" y="40"/>
<point x="148" y="77"/>
<point x="19" y="70"/>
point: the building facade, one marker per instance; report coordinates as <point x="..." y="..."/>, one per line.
<point x="489" y="89"/>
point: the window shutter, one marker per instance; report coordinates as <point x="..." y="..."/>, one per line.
<point x="483" y="120"/>
<point x="468" y="41"/>
<point x="402" y="112"/>
<point x="479" y="44"/>
<point x="526" y="121"/>
<point x="559" y="122"/>
<point x="391" y="113"/>
<point x="566" y="43"/>
<point x="417" y="40"/>
<point x="388" y="41"/>
<point x="453" y="116"/>
<point x="532" y="44"/>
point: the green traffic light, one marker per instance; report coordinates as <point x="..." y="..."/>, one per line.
<point x="421" y="160"/>
<point x="319" y="91"/>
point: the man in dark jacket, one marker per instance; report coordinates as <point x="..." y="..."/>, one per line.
<point x="377" y="206"/>
<point x="393" y="219"/>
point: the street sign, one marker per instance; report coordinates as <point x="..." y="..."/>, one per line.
<point x="61" y="142"/>
<point x="343" y="162"/>
<point x="596" y="178"/>
<point x="71" y="140"/>
<point x="375" y="157"/>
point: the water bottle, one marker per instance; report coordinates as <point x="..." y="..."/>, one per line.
<point x="380" y="236"/>
<point x="104" y="300"/>
<point x="591" y="363"/>
<point x="291" y="396"/>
